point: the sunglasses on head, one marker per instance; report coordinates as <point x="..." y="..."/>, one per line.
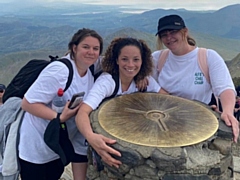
<point x="1" y="90"/>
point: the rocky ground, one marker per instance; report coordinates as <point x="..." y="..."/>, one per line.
<point x="68" y="173"/>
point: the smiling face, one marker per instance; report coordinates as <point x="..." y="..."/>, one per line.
<point x="175" y="40"/>
<point x="87" y="52"/>
<point x="129" y="62"/>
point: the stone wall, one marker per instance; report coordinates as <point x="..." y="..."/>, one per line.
<point x="208" y="160"/>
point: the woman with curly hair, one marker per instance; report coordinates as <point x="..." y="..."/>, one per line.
<point x="130" y="60"/>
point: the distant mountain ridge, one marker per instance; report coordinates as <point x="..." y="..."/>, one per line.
<point x="11" y="63"/>
<point x="224" y="22"/>
<point x="35" y="34"/>
<point x="37" y="30"/>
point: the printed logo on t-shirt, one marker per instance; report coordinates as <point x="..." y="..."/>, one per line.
<point x="198" y="79"/>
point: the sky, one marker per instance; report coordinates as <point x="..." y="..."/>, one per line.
<point x="164" y="4"/>
<point x="149" y="4"/>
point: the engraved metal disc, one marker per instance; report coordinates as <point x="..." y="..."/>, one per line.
<point x="157" y="120"/>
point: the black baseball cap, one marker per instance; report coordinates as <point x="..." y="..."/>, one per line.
<point x="170" y="22"/>
<point x="2" y="86"/>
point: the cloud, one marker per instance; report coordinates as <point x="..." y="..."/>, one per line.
<point x="146" y="4"/>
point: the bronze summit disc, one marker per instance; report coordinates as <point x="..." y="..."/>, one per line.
<point x="152" y="119"/>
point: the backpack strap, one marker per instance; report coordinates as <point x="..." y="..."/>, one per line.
<point x="95" y="75"/>
<point x="202" y="62"/>
<point x="203" y="65"/>
<point x="116" y="80"/>
<point x="92" y="70"/>
<point x="70" y="76"/>
<point x="162" y="59"/>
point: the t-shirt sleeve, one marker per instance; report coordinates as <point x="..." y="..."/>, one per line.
<point x="45" y="87"/>
<point x="219" y="74"/>
<point x="102" y="88"/>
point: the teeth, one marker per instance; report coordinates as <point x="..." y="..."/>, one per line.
<point x="130" y="70"/>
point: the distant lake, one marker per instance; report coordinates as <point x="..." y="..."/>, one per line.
<point x="133" y="11"/>
<point x="81" y="13"/>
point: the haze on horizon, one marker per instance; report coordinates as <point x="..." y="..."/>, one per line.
<point x="151" y="4"/>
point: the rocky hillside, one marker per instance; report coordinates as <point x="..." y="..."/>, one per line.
<point x="234" y="66"/>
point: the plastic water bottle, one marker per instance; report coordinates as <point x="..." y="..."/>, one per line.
<point x="58" y="101"/>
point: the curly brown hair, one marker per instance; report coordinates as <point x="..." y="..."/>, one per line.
<point x="109" y="62"/>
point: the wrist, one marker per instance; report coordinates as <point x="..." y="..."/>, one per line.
<point x="89" y="136"/>
<point x="59" y="116"/>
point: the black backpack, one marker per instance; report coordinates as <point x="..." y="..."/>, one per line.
<point x="29" y="73"/>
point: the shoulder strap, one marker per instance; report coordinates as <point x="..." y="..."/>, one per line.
<point x="162" y="59"/>
<point x="116" y="79"/>
<point x="92" y="69"/>
<point x="203" y="65"/>
<point x="70" y="76"/>
<point x="202" y="62"/>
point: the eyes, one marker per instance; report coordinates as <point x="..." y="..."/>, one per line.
<point x="165" y="34"/>
<point x="135" y="59"/>
<point x="89" y="47"/>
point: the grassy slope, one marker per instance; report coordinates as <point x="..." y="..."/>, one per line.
<point x="227" y="48"/>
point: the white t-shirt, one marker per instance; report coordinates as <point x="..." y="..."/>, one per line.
<point x="32" y="147"/>
<point x="181" y="75"/>
<point x="105" y="85"/>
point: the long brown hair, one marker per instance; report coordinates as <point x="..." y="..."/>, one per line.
<point x="79" y="36"/>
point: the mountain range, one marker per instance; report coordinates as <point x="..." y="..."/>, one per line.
<point x="37" y="31"/>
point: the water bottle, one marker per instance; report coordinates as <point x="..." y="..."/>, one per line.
<point x="58" y="101"/>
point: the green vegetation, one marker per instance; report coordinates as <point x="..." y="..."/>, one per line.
<point x="11" y="63"/>
<point x="35" y="33"/>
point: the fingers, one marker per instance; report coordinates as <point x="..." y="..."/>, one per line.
<point x="107" y="158"/>
<point x="235" y="128"/>
<point x="142" y="84"/>
<point x="230" y="120"/>
<point x="105" y="151"/>
<point x="108" y="140"/>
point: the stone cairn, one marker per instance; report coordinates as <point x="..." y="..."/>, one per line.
<point x="209" y="160"/>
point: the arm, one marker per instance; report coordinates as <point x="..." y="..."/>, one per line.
<point x="37" y="109"/>
<point x="228" y="101"/>
<point x="97" y="141"/>
<point x="41" y="93"/>
<point x="222" y="86"/>
<point x="44" y="112"/>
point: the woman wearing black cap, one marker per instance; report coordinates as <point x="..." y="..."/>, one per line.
<point x="181" y="75"/>
<point x="2" y="89"/>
